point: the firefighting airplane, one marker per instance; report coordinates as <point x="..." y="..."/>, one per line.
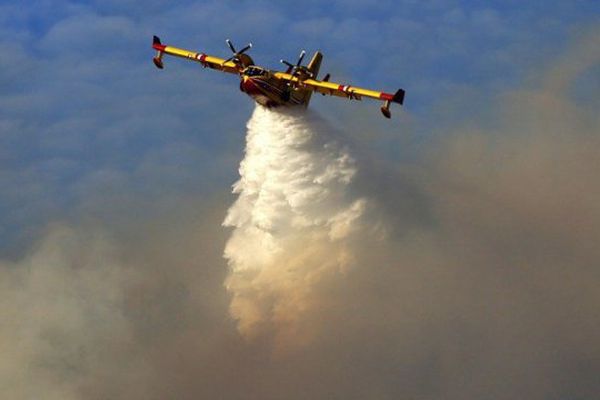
<point x="273" y="88"/>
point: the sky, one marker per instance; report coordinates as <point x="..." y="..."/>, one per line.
<point x="83" y="111"/>
<point x="116" y="178"/>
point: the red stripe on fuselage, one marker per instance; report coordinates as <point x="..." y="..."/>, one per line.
<point x="251" y="88"/>
<point x="159" y="47"/>
<point x="386" y="96"/>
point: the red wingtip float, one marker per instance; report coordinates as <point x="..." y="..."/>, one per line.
<point x="274" y="88"/>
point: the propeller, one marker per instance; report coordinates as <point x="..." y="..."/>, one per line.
<point x="237" y="55"/>
<point x="297" y="69"/>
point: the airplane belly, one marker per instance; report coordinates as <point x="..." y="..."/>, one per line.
<point x="262" y="92"/>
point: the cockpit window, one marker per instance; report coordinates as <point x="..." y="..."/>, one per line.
<point x="253" y="71"/>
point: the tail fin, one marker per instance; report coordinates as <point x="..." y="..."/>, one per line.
<point x="315" y="64"/>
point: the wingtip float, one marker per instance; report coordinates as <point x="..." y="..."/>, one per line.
<point x="274" y="88"/>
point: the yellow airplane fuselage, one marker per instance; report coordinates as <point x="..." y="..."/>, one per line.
<point x="272" y="92"/>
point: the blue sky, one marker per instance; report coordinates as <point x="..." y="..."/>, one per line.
<point x="89" y="126"/>
<point x="473" y="274"/>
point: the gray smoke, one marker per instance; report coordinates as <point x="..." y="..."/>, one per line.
<point x="472" y="273"/>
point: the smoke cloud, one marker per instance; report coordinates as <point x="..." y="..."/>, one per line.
<point x="294" y="214"/>
<point x="470" y="273"/>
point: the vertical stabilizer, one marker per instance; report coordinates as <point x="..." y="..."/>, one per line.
<point x="313" y="66"/>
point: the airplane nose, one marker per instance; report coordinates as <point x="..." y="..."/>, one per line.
<point x="249" y="86"/>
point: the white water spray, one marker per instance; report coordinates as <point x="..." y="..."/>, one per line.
<point x="292" y="220"/>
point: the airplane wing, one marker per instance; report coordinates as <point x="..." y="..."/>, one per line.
<point x="204" y="59"/>
<point x="351" y="92"/>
